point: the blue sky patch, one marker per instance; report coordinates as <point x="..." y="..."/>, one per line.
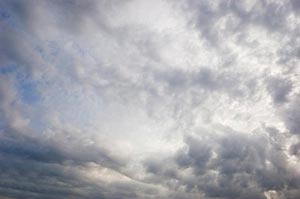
<point x="28" y="90"/>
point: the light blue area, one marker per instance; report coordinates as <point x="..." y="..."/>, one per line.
<point x="27" y="89"/>
<point x="72" y="105"/>
<point x="54" y="48"/>
<point x="8" y="16"/>
<point x="4" y="15"/>
<point x="7" y="69"/>
<point x="29" y="92"/>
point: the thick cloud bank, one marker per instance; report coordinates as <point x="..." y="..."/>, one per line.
<point x="138" y="99"/>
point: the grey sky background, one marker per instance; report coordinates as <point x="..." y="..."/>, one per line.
<point x="138" y="99"/>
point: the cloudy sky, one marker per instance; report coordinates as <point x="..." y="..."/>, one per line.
<point x="140" y="99"/>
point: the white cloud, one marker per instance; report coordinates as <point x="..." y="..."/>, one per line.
<point x="143" y="99"/>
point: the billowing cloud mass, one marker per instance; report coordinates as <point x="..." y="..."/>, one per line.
<point x="138" y="99"/>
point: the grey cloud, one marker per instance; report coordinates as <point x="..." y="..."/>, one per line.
<point x="240" y="17"/>
<point x="295" y="149"/>
<point x="291" y="116"/>
<point x="279" y="89"/>
<point x="295" y="4"/>
<point x="199" y="153"/>
<point x="208" y="80"/>
<point x="270" y="15"/>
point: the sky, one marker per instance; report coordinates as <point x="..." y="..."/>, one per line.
<point x="160" y="99"/>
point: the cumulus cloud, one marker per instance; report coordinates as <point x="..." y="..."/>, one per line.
<point x="149" y="99"/>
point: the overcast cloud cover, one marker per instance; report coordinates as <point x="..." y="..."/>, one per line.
<point x="140" y="99"/>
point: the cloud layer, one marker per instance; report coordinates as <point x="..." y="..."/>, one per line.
<point x="146" y="99"/>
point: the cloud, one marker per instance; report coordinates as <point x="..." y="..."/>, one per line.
<point x="138" y="99"/>
<point x="230" y="165"/>
<point x="279" y="89"/>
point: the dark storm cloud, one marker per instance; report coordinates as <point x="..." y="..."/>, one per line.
<point x="33" y="173"/>
<point x="33" y="169"/>
<point x="237" y="158"/>
<point x="231" y="165"/>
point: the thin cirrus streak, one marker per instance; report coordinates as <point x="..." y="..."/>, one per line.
<point x="142" y="99"/>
